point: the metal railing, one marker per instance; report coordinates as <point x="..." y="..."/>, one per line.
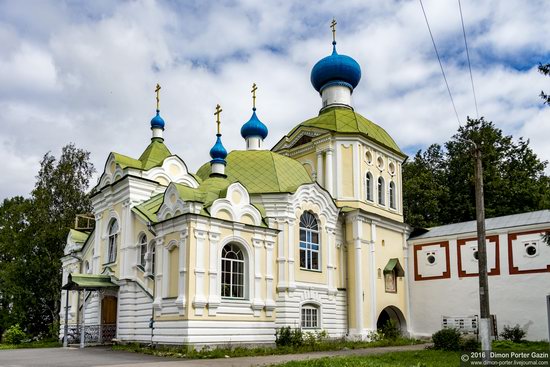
<point x="95" y="334"/>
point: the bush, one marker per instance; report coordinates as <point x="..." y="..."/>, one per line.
<point x="447" y="339"/>
<point x="514" y="334"/>
<point x="285" y="336"/>
<point x="14" y="335"/>
<point x="470" y="344"/>
<point x="390" y="330"/>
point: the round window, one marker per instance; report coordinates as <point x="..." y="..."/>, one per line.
<point x="431" y="259"/>
<point x="531" y="249"/>
<point x="368" y="156"/>
<point x="391" y="168"/>
<point x="380" y="163"/>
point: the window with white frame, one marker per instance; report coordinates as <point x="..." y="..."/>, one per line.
<point x="309" y="242"/>
<point x="113" y="234"/>
<point x="152" y="257"/>
<point x="310" y="316"/>
<point x="392" y="195"/>
<point x="142" y="250"/>
<point x="381" y="192"/>
<point x="369" y="184"/>
<point x="233" y="272"/>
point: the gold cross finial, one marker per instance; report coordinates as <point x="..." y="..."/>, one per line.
<point x="217" y="113"/>
<point x="253" y="91"/>
<point x="157" y="90"/>
<point x="333" y="26"/>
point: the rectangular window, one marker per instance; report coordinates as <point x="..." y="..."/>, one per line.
<point x="310" y="317"/>
<point x="309" y="250"/>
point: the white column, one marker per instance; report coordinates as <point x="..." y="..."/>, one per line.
<point x="269" y="303"/>
<point x="406" y="281"/>
<point x="357" y="238"/>
<point x="126" y="242"/>
<point x="199" y="302"/>
<point x="257" y="302"/>
<point x="97" y="243"/>
<point x="181" y="300"/>
<point x="373" y="277"/>
<point x="159" y="264"/>
<point x="291" y="271"/>
<point x="165" y="271"/>
<point x="213" y="294"/>
<point x="329" y="183"/>
<point x="357" y="176"/>
<point x="330" y="261"/>
<point x="320" y="176"/>
<point x="281" y="283"/>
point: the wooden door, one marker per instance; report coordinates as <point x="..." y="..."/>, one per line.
<point x="108" y="310"/>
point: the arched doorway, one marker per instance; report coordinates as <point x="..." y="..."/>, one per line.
<point x="392" y="313"/>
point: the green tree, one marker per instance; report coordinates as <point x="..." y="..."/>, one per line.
<point x="514" y="179"/>
<point x="545" y="70"/>
<point x="33" y="285"/>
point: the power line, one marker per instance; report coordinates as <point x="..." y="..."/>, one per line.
<point x="468" y="56"/>
<point x="440" y="64"/>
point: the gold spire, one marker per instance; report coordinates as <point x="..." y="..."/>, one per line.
<point x="217" y="113"/>
<point x="253" y="91"/>
<point x="333" y="26"/>
<point x="157" y="90"/>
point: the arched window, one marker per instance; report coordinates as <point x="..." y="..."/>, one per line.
<point x="113" y="234"/>
<point x="381" y="191"/>
<point x="87" y="269"/>
<point x="310" y="316"/>
<point x="392" y="195"/>
<point x="233" y="271"/>
<point x="309" y="242"/>
<point x="369" y="186"/>
<point x="142" y="250"/>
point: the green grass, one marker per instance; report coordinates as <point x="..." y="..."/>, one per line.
<point x="423" y="358"/>
<point x="222" y="351"/>
<point x="37" y="344"/>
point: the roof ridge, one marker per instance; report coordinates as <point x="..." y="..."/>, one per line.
<point x="276" y="168"/>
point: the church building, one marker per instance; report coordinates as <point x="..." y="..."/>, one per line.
<point x="309" y="234"/>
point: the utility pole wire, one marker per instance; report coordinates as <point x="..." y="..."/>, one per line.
<point x="440" y="64"/>
<point x="468" y="56"/>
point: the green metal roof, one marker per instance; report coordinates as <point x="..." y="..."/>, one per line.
<point x="148" y="209"/>
<point x="153" y="156"/>
<point x="78" y="236"/>
<point x="345" y="120"/>
<point x="262" y="171"/>
<point x="392" y="265"/>
<point x="88" y="281"/>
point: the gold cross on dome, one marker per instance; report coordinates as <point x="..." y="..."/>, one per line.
<point x="217" y="113"/>
<point x="333" y="26"/>
<point x="253" y="91"/>
<point x="157" y="90"/>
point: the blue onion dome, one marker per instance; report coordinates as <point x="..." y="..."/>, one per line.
<point x="218" y="152"/>
<point x="157" y="121"/>
<point x="335" y="69"/>
<point x="254" y="127"/>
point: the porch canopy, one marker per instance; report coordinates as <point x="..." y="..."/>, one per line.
<point x="394" y="265"/>
<point x="89" y="282"/>
<point x="83" y="283"/>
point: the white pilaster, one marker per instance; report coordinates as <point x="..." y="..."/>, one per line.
<point x="182" y="268"/>
<point x="356" y="151"/>
<point x="331" y="261"/>
<point x="257" y="302"/>
<point x="269" y="303"/>
<point x="291" y="270"/>
<point x="159" y="264"/>
<point x="165" y="254"/>
<point x="329" y="183"/>
<point x="213" y="294"/>
<point x="320" y="176"/>
<point x="357" y="241"/>
<point x="199" y="302"/>
<point x="281" y="260"/>
<point x="373" y="276"/>
<point x="97" y="242"/>
<point x="406" y="285"/>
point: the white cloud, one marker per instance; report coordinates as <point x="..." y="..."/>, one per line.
<point x="85" y="72"/>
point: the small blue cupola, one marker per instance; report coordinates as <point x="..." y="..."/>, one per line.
<point x="335" y="69"/>
<point x="254" y="131"/>
<point x="157" y="122"/>
<point x="218" y="152"/>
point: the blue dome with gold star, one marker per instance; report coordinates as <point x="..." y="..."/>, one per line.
<point x="254" y="127"/>
<point x="335" y="69"/>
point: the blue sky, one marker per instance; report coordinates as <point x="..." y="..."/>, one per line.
<point x="84" y="72"/>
